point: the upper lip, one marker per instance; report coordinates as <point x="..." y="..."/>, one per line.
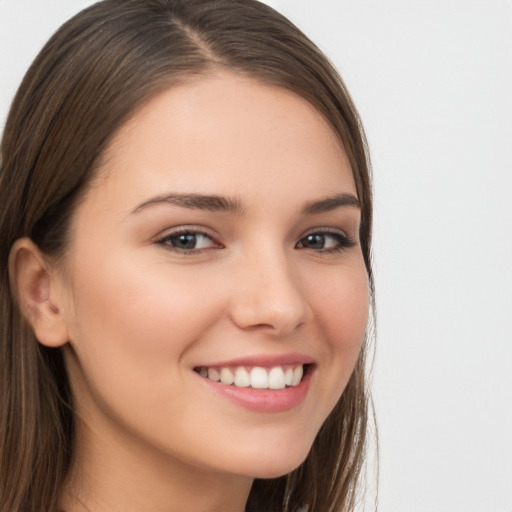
<point x="263" y="360"/>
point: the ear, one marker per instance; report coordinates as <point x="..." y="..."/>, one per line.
<point x="31" y="282"/>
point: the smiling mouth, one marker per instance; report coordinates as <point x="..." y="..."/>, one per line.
<point x="256" y="377"/>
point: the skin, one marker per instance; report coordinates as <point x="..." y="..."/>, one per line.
<point x="136" y="315"/>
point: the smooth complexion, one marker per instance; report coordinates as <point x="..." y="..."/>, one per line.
<point x="220" y="232"/>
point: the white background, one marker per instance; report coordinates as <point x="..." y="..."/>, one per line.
<point x="433" y="83"/>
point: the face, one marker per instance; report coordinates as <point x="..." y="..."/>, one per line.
<point x="219" y="241"/>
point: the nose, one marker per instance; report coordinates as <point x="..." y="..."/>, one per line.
<point x="270" y="295"/>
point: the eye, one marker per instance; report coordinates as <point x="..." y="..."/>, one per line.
<point x="188" y="241"/>
<point x="326" y="241"/>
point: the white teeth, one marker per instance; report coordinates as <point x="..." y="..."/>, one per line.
<point x="226" y="377"/>
<point x="297" y="375"/>
<point x="242" y="379"/>
<point x="259" y="378"/>
<point x="213" y="374"/>
<point x="288" y="376"/>
<point x="276" y="378"/>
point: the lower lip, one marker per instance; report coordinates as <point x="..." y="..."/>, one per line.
<point x="264" y="400"/>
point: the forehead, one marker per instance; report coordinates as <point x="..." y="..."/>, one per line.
<point x="226" y="129"/>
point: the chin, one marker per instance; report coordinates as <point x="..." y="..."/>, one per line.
<point x="273" y="465"/>
<point x="277" y="470"/>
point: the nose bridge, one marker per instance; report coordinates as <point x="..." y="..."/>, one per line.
<point x="271" y="294"/>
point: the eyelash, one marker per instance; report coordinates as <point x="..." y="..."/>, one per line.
<point x="166" y="241"/>
<point x="344" y="242"/>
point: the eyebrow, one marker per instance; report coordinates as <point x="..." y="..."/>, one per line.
<point x="214" y="203"/>
<point x="330" y="203"/>
<point x="209" y="203"/>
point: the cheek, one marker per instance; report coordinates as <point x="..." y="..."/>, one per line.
<point x="342" y="307"/>
<point x="129" y="314"/>
<point x="135" y="328"/>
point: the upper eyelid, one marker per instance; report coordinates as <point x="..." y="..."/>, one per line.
<point x="186" y="229"/>
<point x="333" y="234"/>
<point x="209" y="232"/>
<point x="326" y="231"/>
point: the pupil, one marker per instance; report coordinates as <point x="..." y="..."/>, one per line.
<point x="316" y="241"/>
<point x="187" y="241"/>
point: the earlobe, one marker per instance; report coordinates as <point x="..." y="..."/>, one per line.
<point x="31" y="282"/>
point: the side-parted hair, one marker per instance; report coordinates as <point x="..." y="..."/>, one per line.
<point x="93" y="74"/>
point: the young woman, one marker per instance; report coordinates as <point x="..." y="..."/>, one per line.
<point x="186" y="280"/>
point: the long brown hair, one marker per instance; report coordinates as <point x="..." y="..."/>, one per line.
<point x="90" y="77"/>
